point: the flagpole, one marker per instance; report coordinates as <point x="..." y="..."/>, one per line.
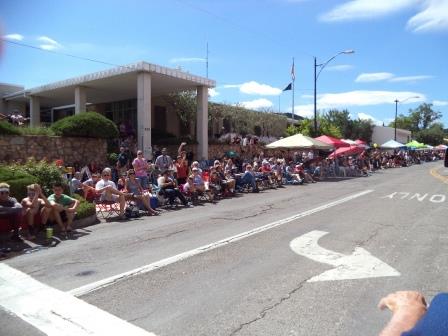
<point x="293" y="80"/>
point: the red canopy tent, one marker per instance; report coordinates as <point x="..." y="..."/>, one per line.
<point x="337" y="143"/>
<point x="352" y="150"/>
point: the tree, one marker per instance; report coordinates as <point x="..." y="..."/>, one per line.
<point x="418" y="119"/>
<point x="403" y="122"/>
<point x="184" y="104"/>
<point x="339" y="120"/>
<point x="432" y="136"/>
<point x="423" y="116"/>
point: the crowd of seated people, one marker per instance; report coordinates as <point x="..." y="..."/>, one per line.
<point x="146" y="185"/>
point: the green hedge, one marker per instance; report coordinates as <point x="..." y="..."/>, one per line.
<point x="18" y="180"/>
<point x="7" y="128"/>
<point x="45" y="173"/>
<point x="85" y="209"/>
<point x="87" y="124"/>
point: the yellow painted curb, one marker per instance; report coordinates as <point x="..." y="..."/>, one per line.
<point x="435" y="174"/>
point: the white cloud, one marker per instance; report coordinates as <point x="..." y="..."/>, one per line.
<point x="373" y="77"/>
<point x="48" y="43"/>
<point x="257" y="104"/>
<point x="306" y="111"/>
<point x="365" y="116"/>
<point x="212" y="92"/>
<point x="366" y="98"/>
<point x="387" y="76"/>
<point x="187" y="60"/>
<point x="307" y="96"/>
<point x="47" y="40"/>
<point x="358" y="98"/>
<point x="366" y="9"/>
<point x="255" y="88"/>
<point x="14" y="37"/>
<point x="432" y="15"/>
<point x="440" y="103"/>
<point x="411" y="79"/>
<point x="433" y="18"/>
<point x="341" y="67"/>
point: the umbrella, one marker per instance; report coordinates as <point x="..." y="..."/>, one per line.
<point x="299" y="141"/>
<point x="350" y="142"/>
<point x="392" y="144"/>
<point x="337" y="143"/>
<point x="441" y="147"/>
<point x="352" y="150"/>
<point x="231" y="154"/>
<point x="360" y="142"/>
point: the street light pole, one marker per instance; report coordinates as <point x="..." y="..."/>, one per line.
<point x="316" y="76"/>
<point x="315" y="96"/>
<point x="396" y="113"/>
<point x="395" y="123"/>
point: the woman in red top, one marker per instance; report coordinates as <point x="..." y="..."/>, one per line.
<point x="182" y="169"/>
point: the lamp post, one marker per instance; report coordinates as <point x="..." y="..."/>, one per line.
<point x="396" y="113"/>
<point x="316" y="76"/>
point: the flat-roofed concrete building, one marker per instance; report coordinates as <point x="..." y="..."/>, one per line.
<point x="129" y="93"/>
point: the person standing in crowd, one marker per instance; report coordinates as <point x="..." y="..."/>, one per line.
<point x="122" y="161"/>
<point x="182" y="169"/>
<point x="164" y="161"/>
<point x="141" y="169"/>
<point x="11" y="210"/>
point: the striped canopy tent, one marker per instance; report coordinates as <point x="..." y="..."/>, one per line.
<point x="300" y="141"/>
<point x="337" y="143"/>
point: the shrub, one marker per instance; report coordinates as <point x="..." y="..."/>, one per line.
<point x="45" y="173"/>
<point x="112" y="158"/>
<point x="85" y="208"/>
<point x="18" y="180"/>
<point x="8" y="129"/>
<point x="87" y="124"/>
<point x="36" y="131"/>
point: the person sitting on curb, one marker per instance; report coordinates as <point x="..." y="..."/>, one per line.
<point x="35" y="203"/>
<point x="11" y="210"/>
<point x="109" y="191"/>
<point x="63" y="209"/>
<point x="411" y="317"/>
<point x="169" y="189"/>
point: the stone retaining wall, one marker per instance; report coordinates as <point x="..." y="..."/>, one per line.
<point x="71" y="150"/>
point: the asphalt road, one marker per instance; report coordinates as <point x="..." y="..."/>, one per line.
<point x="258" y="285"/>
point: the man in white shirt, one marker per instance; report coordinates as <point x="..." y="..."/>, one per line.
<point x="109" y="191"/>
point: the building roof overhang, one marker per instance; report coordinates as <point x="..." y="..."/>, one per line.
<point x="114" y="84"/>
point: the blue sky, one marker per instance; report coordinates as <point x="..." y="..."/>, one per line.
<point x="401" y="48"/>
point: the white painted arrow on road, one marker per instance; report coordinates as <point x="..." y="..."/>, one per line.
<point x="359" y="265"/>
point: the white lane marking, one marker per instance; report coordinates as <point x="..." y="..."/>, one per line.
<point x="164" y="262"/>
<point x="359" y="265"/>
<point x="55" y="312"/>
